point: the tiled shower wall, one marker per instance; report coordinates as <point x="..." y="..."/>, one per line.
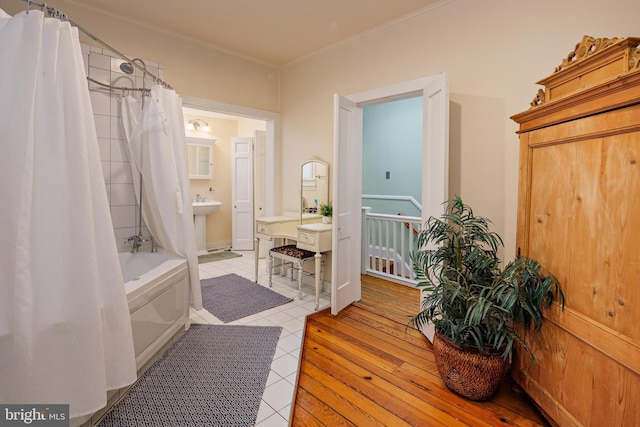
<point x="103" y="66"/>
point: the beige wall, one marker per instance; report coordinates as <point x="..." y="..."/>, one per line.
<point x="191" y="69"/>
<point x="493" y="51"/>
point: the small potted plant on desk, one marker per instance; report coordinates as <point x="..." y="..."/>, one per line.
<point x="326" y="210"/>
<point x="476" y="306"/>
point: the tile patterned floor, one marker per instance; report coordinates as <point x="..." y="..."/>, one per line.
<point x="276" y="400"/>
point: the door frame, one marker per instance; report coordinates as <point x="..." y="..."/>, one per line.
<point x="435" y="187"/>
<point x="272" y="197"/>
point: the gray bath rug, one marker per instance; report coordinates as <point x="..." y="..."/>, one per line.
<point x="232" y="297"/>
<point x="214" y="375"/>
<point x="217" y="256"/>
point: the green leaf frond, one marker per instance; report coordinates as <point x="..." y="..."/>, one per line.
<point x="467" y="295"/>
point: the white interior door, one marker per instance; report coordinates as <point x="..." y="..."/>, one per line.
<point x="435" y="146"/>
<point x="347" y="191"/>
<point x="242" y="193"/>
<point x="435" y="155"/>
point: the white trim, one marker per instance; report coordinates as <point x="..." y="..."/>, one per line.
<point x="222" y="107"/>
<point x="394" y="91"/>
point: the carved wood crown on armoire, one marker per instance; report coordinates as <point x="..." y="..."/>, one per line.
<point x="579" y="215"/>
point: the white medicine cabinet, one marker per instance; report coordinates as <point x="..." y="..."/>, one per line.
<point x="200" y="158"/>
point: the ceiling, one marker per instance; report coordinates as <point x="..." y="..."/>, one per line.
<point x="273" y="32"/>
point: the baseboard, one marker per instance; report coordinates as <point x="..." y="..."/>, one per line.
<point x="217" y="246"/>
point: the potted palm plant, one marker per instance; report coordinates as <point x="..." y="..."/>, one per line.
<point x="477" y="305"/>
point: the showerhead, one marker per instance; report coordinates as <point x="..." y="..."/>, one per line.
<point x="126" y="68"/>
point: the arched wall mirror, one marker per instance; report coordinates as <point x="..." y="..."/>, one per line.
<point x="314" y="188"/>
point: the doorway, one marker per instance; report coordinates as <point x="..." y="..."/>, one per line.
<point x="391" y="187"/>
<point x="347" y="193"/>
<point x="265" y="201"/>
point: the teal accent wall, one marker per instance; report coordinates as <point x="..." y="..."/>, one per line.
<point x="392" y="142"/>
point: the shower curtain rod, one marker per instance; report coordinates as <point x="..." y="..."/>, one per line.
<point x="55" y="13"/>
<point x="122" y="88"/>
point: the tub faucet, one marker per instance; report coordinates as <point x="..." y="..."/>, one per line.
<point x="138" y="240"/>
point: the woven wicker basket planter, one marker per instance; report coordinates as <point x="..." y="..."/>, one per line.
<point x="467" y="372"/>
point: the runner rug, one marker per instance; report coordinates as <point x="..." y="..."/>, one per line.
<point x="214" y="375"/>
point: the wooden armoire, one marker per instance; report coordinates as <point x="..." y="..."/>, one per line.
<point x="579" y="215"/>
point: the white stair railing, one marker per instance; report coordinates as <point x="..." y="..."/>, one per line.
<point x="388" y="241"/>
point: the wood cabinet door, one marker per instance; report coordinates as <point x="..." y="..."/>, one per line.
<point x="579" y="215"/>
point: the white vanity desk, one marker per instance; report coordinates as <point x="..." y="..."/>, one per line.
<point x="304" y="226"/>
<point x="274" y="227"/>
<point x="314" y="237"/>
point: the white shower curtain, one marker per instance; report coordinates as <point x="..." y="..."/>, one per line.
<point x="65" y="332"/>
<point x="158" y="151"/>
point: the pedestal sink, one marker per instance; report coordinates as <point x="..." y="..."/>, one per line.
<point x="200" y="212"/>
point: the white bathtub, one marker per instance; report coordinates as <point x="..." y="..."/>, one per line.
<point x="157" y="287"/>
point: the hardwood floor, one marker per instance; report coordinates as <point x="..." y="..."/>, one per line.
<point x="364" y="368"/>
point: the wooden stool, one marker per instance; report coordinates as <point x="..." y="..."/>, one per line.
<point x="294" y="256"/>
